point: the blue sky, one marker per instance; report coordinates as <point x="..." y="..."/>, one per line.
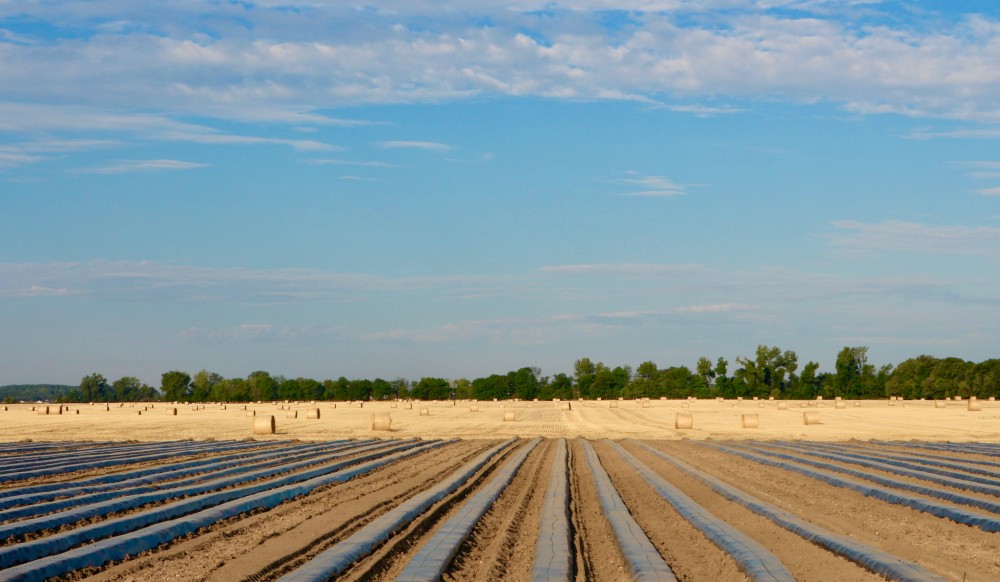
<point x="460" y="188"/>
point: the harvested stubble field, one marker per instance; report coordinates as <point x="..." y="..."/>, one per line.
<point x="636" y="498"/>
<point x="592" y="420"/>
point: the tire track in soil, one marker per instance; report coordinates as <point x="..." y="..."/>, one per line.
<point x="502" y="542"/>
<point x="261" y="537"/>
<point x="387" y="562"/>
<point x="803" y="559"/>
<point x="947" y="548"/>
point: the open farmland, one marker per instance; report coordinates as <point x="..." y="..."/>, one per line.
<point x="445" y="419"/>
<point x="589" y="493"/>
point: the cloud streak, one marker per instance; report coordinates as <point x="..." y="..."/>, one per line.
<point x="130" y="166"/>
<point x="910" y="237"/>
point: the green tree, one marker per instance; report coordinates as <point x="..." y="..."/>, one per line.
<point x="262" y="386"/>
<point x="561" y="386"/>
<point x="175" y="386"/>
<point x="431" y="389"/>
<point x="94" y="388"/>
<point x="130" y="389"/>
<point x="706" y="372"/>
<point x="202" y="384"/>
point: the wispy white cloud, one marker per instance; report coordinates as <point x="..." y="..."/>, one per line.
<point x="625" y="269"/>
<point x="358" y="163"/>
<point x="653" y="187"/>
<point x="911" y="237"/>
<point x="416" y="145"/>
<point x="152" y="281"/>
<point x="129" y="166"/>
<point x="152" y="68"/>
<point x="988" y="191"/>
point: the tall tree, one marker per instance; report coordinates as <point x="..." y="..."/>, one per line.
<point x="94" y="388"/>
<point x="175" y="385"/>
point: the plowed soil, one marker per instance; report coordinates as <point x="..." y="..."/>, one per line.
<point x="268" y="544"/>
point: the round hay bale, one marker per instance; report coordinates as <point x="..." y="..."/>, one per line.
<point x="770" y="397"/>
<point x="171" y="412"/>
<point x="393" y="405"/>
<point x="645" y="404"/>
<point x="974" y="406"/>
<point x="782" y="405"/>
<point x="739" y="399"/>
<point x="591" y="405"/>
<point x="361" y="404"/>
<point x="107" y="408"/>
<point x="292" y="414"/>
<point x="958" y="398"/>
<point x="424" y="411"/>
<point x="251" y="413"/>
<point x="77" y="411"/>
<point x="750" y="420"/>
<point x="58" y="410"/>
<point x="857" y="404"/>
<point x="684" y="421"/>
<point x="334" y="405"/>
<point x="263" y="424"/>
<point x="407" y="406"/>
<point x="755" y="399"/>
<point x="42" y="410"/>
<point x="3" y="409"/>
<point x="993" y="398"/>
<point x="381" y="421"/>
<point x="312" y="414"/>
<point x="614" y="404"/>
<point x="840" y="404"/>
<point x="195" y="407"/>
<point x="685" y="405"/>
<point x="223" y="407"/>
<point x="819" y="398"/>
<point x="939" y="404"/>
<point x="814" y="404"/>
<point x="760" y="405"/>
<point x="810" y="418"/>
<point x="474" y="408"/>
<point x="509" y="417"/>
<point x="566" y="406"/>
<point x="138" y="413"/>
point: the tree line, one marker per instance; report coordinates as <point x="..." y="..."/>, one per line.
<point x="770" y="372"/>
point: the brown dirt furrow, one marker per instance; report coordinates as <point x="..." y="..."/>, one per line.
<point x="876" y="448"/>
<point x="502" y="545"/>
<point x="956" y="551"/>
<point x="919" y="458"/>
<point x="388" y="562"/>
<point x="240" y="547"/>
<point x="598" y="556"/>
<point x="803" y="559"/>
<point x="895" y="476"/>
<point x="88" y="473"/>
<point x="689" y="553"/>
<point x="148" y="506"/>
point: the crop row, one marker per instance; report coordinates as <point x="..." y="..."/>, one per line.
<point x="53" y="524"/>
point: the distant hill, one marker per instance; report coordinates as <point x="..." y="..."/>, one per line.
<point x="32" y="392"/>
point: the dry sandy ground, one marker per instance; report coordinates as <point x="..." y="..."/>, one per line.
<point x="593" y="420"/>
